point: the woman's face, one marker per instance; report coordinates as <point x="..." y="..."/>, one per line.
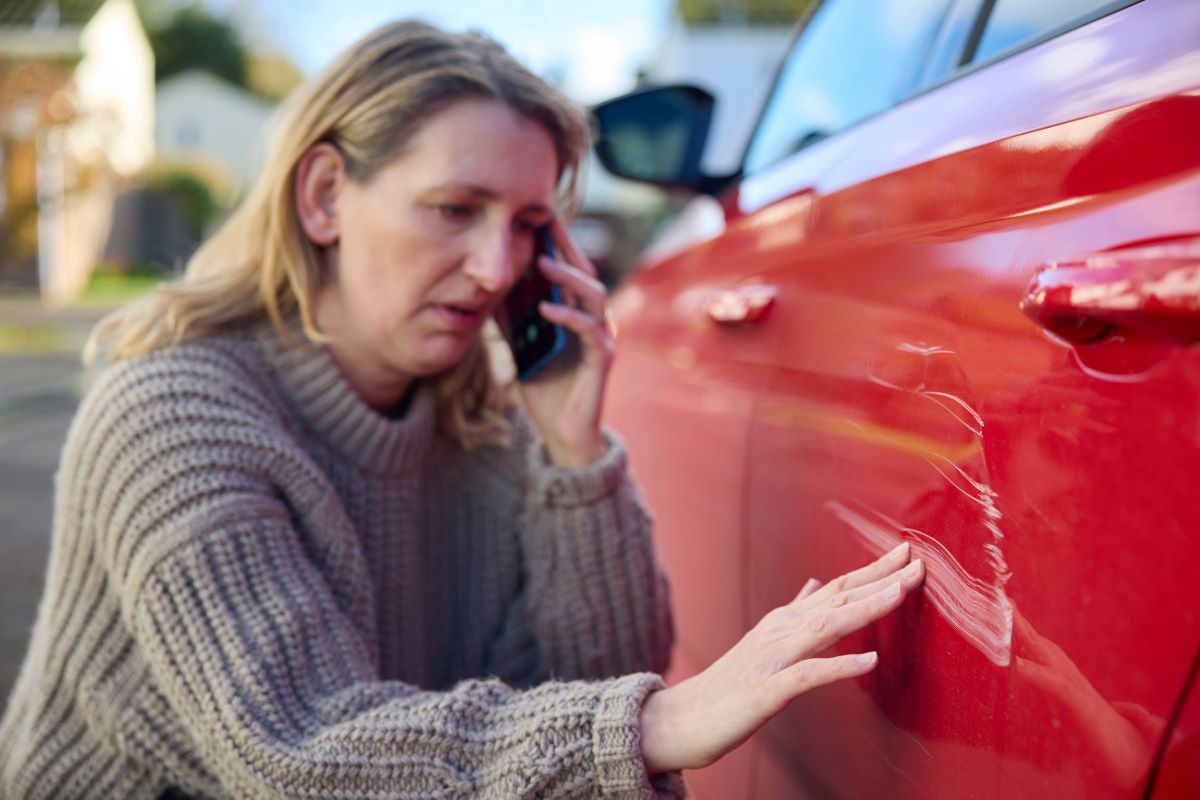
<point x="427" y="248"/>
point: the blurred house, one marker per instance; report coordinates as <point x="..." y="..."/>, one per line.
<point x="615" y="220"/>
<point x="212" y="125"/>
<point x="734" y="55"/>
<point x="76" y="118"/>
<point x="731" y="49"/>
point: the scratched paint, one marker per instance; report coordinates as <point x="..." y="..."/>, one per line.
<point x="923" y="349"/>
<point x="940" y="398"/>
<point x="979" y="609"/>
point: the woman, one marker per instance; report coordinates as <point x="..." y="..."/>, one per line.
<point x="305" y="545"/>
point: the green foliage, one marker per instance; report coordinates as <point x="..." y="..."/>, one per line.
<point x="271" y="76"/>
<point x="748" y="12"/>
<point x="194" y="39"/>
<point x="26" y="339"/>
<point x="155" y="13"/>
<point x="195" y="197"/>
<point x="112" y="285"/>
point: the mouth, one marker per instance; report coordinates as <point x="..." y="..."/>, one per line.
<point x="460" y="315"/>
<point x="463" y="309"/>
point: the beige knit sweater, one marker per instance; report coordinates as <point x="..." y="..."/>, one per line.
<point x="258" y="587"/>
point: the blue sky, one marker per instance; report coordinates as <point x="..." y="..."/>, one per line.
<point x="595" y="47"/>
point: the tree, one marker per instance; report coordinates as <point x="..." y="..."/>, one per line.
<point x="194" y="39"/>
<point x="746" y="12"/>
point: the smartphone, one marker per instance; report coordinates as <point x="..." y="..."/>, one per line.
<point x="533" y="339"/>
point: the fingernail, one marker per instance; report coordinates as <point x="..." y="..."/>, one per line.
<point x="868" y="659"/>
<point x="903" y="546"/>
<point x="892" y="592"/>
<point x="914" y="567"/>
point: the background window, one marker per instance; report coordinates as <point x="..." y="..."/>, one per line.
<point x="851" y="61"/>
<point x="1015" y="21"/>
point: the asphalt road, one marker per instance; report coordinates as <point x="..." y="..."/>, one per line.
<point x="29" y="449"/>
<point x="39" y="389"/>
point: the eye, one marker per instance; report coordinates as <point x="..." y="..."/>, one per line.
<point x="456" y="212"/>
<point x="529" y="226"/>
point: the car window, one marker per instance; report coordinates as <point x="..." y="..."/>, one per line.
<point x="850" y="62"/>
<point x="1012" y="22"/>
<point x="950" y="44"/>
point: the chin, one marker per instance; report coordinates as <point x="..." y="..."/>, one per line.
<point x="436" y="352"/>
<point x="433" y="364"/>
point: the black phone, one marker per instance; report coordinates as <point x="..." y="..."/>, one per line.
<point x="533" y="339"/>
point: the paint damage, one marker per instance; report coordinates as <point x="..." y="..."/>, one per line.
<point x="979" y="609"/>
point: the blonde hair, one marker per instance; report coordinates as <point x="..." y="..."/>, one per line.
<point x="369" y="103"/>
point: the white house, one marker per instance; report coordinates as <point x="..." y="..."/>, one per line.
<point x="114" y="84"/>
<point x="735" y="62"/>
<point x="201" y="119"/>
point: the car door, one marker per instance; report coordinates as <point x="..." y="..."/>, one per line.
<point x="988" y="350"/>
<point x="681" y="391"/>
<point x="696" y="334"/>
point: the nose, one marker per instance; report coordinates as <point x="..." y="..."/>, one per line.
<point x="492" y="262"/>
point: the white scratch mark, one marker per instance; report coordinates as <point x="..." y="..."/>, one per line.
<point x="965" y="406"/>
<point x="979" y="486"/>
<point x="974" y="498"/>
<point x="981" y="612"/>
<point x="917" y="742"/>
<point x="920" y="391"/>
<point x="881" y="382"/>
<point x="884" y="755"/>
<point x="923" y="350"/>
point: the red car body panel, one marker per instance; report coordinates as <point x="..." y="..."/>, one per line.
<point x="1178" y="774"/>
<point x="691" y="448"/>
<point x="927" y="373"/>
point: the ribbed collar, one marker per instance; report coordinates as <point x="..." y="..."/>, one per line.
<point x="315" y="389"/>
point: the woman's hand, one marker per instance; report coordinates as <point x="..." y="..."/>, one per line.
<point x="695" y="722"/>
<point x="566" y="403"/>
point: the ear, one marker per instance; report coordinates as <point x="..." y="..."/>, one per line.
<point x="320" y="178"/>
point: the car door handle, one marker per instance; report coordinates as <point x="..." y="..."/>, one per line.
<point x="741" y="306"/>
<point x="1150" y="289"/>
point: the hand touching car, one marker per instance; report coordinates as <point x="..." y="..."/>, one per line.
<point x="697" y="721"/>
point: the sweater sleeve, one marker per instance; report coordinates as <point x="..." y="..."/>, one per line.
<point x="598" y="599"/>
<point x="260" y="656"/>
<point x="252" y="651"/>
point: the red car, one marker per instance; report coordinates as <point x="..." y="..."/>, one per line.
<point x="952" y="297"/>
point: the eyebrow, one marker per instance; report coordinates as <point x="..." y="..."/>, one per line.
<point x="487" y="194"/>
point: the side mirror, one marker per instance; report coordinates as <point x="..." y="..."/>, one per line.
<point x="657" y="136"/>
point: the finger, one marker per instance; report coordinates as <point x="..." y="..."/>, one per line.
<point x="811" y="673"/>
<point x="885" y="565"/>
<point x="810" y="586"/>
<point x="591" y="293"/>
<point x="910" y="577"/>
<point x="592" y="331"/>
<point x="858" y="614"/>
<point x="823" y="627"/>
<point x="566" y="243"/>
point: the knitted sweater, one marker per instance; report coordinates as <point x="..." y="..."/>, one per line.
<point x="259" y="587"/>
